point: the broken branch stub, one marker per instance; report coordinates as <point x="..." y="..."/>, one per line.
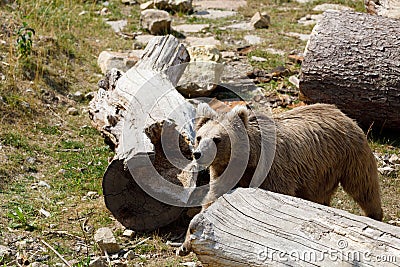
<point x="133" y="109"/>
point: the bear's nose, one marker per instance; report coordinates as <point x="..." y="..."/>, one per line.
<point x="197" y="154"/>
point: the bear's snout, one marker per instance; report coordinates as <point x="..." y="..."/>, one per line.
<point x="197" y="154"/>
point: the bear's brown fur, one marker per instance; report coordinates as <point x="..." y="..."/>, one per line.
<point x="317" y="147"/>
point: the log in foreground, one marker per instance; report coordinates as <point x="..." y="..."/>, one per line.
<point x="254" y="227"/>
<point x="136" y="111"/>
<point x="352" y="60"/>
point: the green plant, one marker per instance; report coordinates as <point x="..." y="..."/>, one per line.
<point x="24" y="40"/>
<point x="20" y="220"/>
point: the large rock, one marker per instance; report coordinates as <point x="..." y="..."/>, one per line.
<point x="156" y="21"/>
<point x="108" y="60"/>
<point x="184" y="6"/>
<point x="105" y="239"/>
<point x="386" y="8"/>
<point x="260" y="20"/>
<point x="203" y="73"/>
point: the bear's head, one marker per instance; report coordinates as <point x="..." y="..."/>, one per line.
<point x="216" y="133"/>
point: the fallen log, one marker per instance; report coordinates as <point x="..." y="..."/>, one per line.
<point x="352" y="60"/>
<point x="254" y="227"/>
<point x="139" y="112"/>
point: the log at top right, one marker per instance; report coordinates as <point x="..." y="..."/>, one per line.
<point x="352" y="60"/>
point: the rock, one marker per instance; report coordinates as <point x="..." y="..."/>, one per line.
<point x="155" y="21"/>
<point x="43" y="184"/>
<point x="304" y="1"/>
<point x="144" y="39"/>
<point x="106" y="240"/>
<point x="325" y="7"/>
<point x="5" y="252"/>
<point x="242" y="26"/>
<point x="147" y="5"/>
<point x="258" y="59"/>
<point x="184" y="6"/>
<point x="78" y="96"/>
<point x="92" y="195"/>
<point x="214" y="14"/>
<point x="45" y="213"/>
<point x="260" y="21"/>
<point x="191" y="28"/>
<point x="108" y="60"/>
<point x="189" y="264"/>
<point x="310" y="19"/>
<point x="30" y="160"/>
<point x="117" y="25"/>
<point x="161" y="4"/>
<point x="72" y="111"/>
<point x="296" y="58"/>
<point x="253" y="39"/>
<point x="218" y="4"/>
<point x="129" y="2"/>
<point x="128" y="233"/>
<point x="99" y="262"/>
<point x="229" y="55"/>
<point x="386" y="170"/>
<point x="301" y="36"/>
<point x="385" y="8"/>
<point x="104" y="11"/>
<point x="394" y="159"/>
<point x="199" y="41"/>
<point x="203" y="72"/>
<point x="295" y="81"/>
<point x="130" y="255"/>
<point x="38" y="264"/>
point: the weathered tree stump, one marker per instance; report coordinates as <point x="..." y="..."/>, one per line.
<point x="139" y="112"/>
<point x="352" y="60"/>
<point x="254" y="227"/>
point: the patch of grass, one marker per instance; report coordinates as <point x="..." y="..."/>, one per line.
<point x="272" y="60"/>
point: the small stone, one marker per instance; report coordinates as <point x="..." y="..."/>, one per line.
<point x="38" y="264"/>
<point x="130" y="255"/>
<point x="199" y="41"/>
<point x="147" y="5"/>
<point x="214" y="14"/>
<point x="105" y="239"/>
<point x="301" y="36"/>
<point x="30" y="160"/>
<point x="394" y="159"/>
<point x="310" y="19"/>
<point x="184" y="6"/>
<point x="144" y="39"/>
<point x="82" y="13"/>
<point x="104" y="11"/>
<point x="128" y="233"/>
<point x="72" y="111"/>
<point x="61" y="171"/>
<point x="4" y="252"/>
<point x="45" y="213"/>
<point x="78" y="96"/>
<point x="117" y="25"/>
<point x="189" y="264"/>
<point x="394" y="222"/>
<point x="258" y="59"/>
<point x="92" y="195"/>
<point x="222" y="5"/>
<point x="99" y="262"/>
<point x="260" y="21"/>
<point x="155" y="21"/>
<point x="296" y="58"/>
<point x="253" y="39"/>
<point x="106" y="3"/>
<point x="295" y="81"/>
<point x="25" y="104"/>
<point x="108" y="60"/>
<point x="191" y="28"/>
<point x="43" y="184"/>
<point x="60" y="203"/>
<point x="326" y="7"/>
<point x="243" y="26"/>
<point x="129" y="2"/>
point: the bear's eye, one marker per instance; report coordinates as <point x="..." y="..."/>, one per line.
<point x="217" y="140"/>
<point x="198" y="138"/>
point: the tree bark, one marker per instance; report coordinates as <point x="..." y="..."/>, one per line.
<point x="254" y="227"/>
<point x="352" y="60"/>
<point x="139" y="112"/>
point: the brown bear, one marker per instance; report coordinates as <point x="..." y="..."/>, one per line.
<point x="317" y="147"/>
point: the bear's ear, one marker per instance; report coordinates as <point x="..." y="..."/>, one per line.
<point x="204" y="113"/>
<point x="242" y="112"/>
